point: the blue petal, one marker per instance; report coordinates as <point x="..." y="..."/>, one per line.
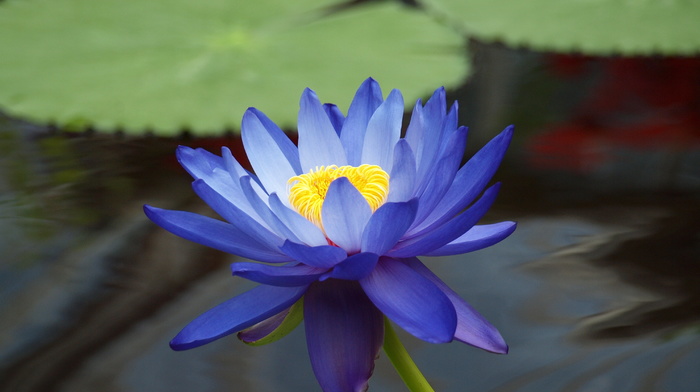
<point x="478" y="237"/>
<point x="345" y="213"/>
<point x="416" y="129"/>
<point x="287" y="147"/>
<point x="232" y="166"/>
<point x="448" y="232"/>
<point x="198" y="163"/>
<point x="383" y="131"/>
<point x="319" y="145"/>
<point x="236" y="172"/>
<point x="436" y="107"/>
<point x="449" y="125"/>
<point x="411" y="301"/>
<point x="442" y="177"/>
<point x="238" y="313"/>
<point x="264" y="148"/>
<point x="469" y="181"/>
<point x="472" y="327"/>
<point x="387" y="225"/>
<point x="402" y="181"/>
<point x="428" y="146"/>
<point x="335" y="115"/>
<point x="354" y="267"/>
<point x="205" y="166"/>
<point x="364" y="104"/>
<point x="235" y="216"/>
<point x="213" y="233"/>
<point x="344" y="332"/>
<point x="272" y="221"/>
<point x="277" y="275"/>
<point x="324" y="256"/>
<point x="306" y="231"/>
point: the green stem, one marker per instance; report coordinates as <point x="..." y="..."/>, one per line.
<point x="407" y="369"/>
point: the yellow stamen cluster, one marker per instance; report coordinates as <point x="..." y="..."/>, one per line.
<point x="308" y="191"/>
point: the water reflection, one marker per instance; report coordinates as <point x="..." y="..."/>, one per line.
<point x="598" y="289"/>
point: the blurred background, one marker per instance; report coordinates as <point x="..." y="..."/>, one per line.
<point x="597" y="290"/>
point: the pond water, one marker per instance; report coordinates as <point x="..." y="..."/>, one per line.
<point x="597" y="290"/>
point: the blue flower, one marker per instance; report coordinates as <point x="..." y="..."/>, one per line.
<point x="339" y="220"/>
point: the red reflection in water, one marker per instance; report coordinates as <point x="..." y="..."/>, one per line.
<point x="637" y="103"/>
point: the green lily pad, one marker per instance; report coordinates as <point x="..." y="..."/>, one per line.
<point x="628" y="27"/>
<point x="167" y="65"/>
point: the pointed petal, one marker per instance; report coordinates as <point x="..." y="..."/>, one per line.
<point x="232" y="165"/>
<point x="403" y="173"/>
<point x="416" y="129"/>
<point x="266" y="152"/>
<point x="442" y="177"/>
<point x="335" y="115"/>
<point x="478" y="237"/>
<point x="213" y="233"/>
<point x="383" y="131"/>
<point x="277" y="275"/>
<point x="238" y="313"/>
<point x="449" y="125"/>
<point x="234" y="193"/>
<point x="306" y="231"/>
<point x="197" y="162"/>
<point x="345" y="213"/>
<point x="436" y="107"/>
<point x="472" y="327"/>
<point x="319" y="145"/>
<point x="324" y="256"/>
<point x="213" y="170"/>
<point x="448" y="232"/>
<point x="364" y="104"/>
<point x="237" y="171"/>
<point x="285" y="145"/>
<point x="344" y="332"/>
<point x="411" y="301"/>
<point x="470" y="180"/>
<point x="235" y="216"/>
<point x="432" y="118"/>
<point x="264" y="212"/>
<point x="387" y="225"/>
<point x="354" y="267"/>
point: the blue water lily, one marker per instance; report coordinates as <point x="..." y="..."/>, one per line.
<point x="339" y="220"/>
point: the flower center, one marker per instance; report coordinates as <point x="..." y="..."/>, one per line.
<point x="309" y="190"/>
